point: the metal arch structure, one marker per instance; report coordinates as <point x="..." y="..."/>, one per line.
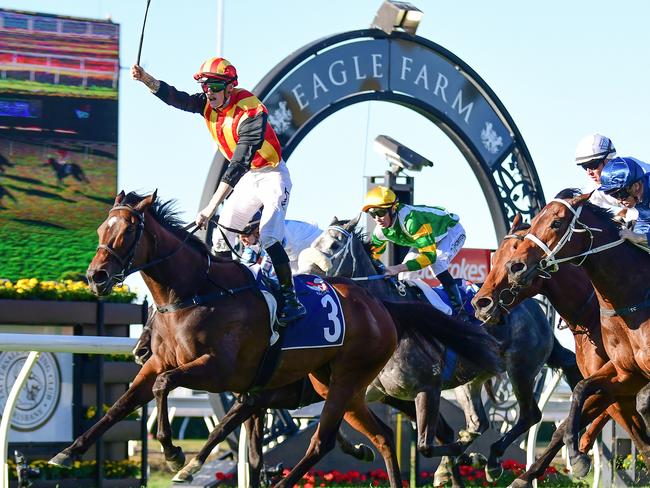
<point x="364" y="65"/>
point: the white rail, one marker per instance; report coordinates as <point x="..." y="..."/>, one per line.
<point x="36" y="344"/>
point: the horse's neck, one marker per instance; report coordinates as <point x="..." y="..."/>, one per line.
<point x="572" y="295"/>
<point x="178" y="277"/>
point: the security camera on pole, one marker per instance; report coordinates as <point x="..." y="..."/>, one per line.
<point x="399" y="158"/>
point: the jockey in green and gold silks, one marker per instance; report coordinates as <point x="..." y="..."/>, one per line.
<point x="434" y="234"/>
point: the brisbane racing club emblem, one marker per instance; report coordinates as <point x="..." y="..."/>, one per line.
<point x="39" y="396"/>
<point x="317" y="285"/>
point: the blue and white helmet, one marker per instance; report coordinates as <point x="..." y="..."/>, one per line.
<point x="594" y="147"/>
<point x="620" y="173"/>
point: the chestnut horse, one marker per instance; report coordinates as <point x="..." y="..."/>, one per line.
<point x="575" y="231"/>
<point x="217" y="331"/>
<point x="564" y="288"/>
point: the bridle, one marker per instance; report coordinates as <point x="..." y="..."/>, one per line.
<point x="345" y="250"/>
<point x="127" y="261"/>
<point x="550" y="262"/>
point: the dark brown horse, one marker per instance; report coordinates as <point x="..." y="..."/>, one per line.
<point x="216" y="342"/>
<point x="565" y="288"/>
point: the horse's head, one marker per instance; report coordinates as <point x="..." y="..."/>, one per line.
<point x="50" y="162"/>
<point x="557" y="234"/>
<point x="497" y="295"/>
<point x="119" y="238"/>
<point x="331" y="253"/>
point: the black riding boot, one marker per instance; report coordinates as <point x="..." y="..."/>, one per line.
<point x="291" y="309"/>
<point x="453" y="292"/>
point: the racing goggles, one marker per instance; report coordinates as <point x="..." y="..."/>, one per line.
<point x="619" y="194"/>
<point x="592" y="165"/>
<point x="377" y="212"/>
<point x="215" y="86"/>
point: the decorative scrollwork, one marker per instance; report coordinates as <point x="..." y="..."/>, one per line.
<point x="516" y="189"/>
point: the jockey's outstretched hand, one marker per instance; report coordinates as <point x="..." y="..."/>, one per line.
<point x="137" y="72"/>
<point x="394" y="270"/>
<point x="203" y="217"/>
<point x="633" y="236"/>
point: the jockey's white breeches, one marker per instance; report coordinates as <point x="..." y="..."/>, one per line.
<point x="267" y="187"/>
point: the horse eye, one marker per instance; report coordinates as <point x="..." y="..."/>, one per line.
<point x="556" y="224"/>
<point x="130" y="229"/>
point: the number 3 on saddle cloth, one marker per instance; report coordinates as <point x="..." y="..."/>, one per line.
<point x="323" y="326"/>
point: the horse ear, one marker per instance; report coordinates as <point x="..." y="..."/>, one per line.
<point x="516" y="222"/>
<point x="118" y="199"/>
<point x="580" y="200"/>
<point x="353" y="223"/>
<point x="334" y="221"/>
<point x="146" y="201"/>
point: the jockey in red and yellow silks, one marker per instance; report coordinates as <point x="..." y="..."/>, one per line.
<point x="256" y="176"/>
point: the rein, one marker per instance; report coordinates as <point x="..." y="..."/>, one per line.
<point x="551" y="261"/>
<point x="128" y="269"/>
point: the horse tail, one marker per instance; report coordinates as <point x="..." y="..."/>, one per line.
<point x="470" y="341"/>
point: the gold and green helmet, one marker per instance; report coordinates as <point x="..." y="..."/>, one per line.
<point x="379" y="197"/>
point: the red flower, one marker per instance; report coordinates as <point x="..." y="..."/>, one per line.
<point x="220" y="476"/>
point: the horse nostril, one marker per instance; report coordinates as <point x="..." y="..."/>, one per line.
<point x="483" y="303"/>
<point x="99" y="276"/>
<point x="516" y="267"/>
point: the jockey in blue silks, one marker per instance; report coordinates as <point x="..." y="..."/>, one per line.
<point x="626" y="180"/>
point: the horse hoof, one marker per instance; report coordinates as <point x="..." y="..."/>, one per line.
<point x="477" y="460"/>
<point x="182" y="477"/>
<point x="517" y="483"/>
<point x="185" y="474"/>
<point x="493" y="473"/>
<point x="364" y="453"/>
<point x="62" y="460"/>
<point x="581" y="465"/>
<point x="176" y="460"/>
<point x="467" y="437"/>
<point x="441" y="479"/>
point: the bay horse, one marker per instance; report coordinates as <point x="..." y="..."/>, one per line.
<point x="218" y="329"/>
<point x="63" y="170"/>
<point x="564" y="288"/>
<point x="575" y="231"/>
<point x="527" y="339"/>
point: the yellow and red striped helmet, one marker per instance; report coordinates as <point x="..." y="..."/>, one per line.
<point x="217" y="68"/>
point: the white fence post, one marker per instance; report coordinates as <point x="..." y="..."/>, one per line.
<point x="36" y="344"/>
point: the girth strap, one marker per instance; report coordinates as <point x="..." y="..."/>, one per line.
<point x="612" y="312"/>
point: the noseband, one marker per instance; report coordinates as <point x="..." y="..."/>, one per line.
<point x="127" y="261"/>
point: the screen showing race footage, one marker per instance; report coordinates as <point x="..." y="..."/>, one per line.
<point x="58" y="141"/>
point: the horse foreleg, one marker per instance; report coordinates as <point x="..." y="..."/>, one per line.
<point x="427" y="407"/>
<point x="237" y="414"/>
<point x="529" y="415"/>
<point x="255" y="430"/>
<point x="595" y="393"/>
<point x="192" y="373"/>
<point x="137" y="395"/>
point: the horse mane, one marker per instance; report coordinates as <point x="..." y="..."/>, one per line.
<point x="601" y="213"/>
<point x="167" y="215"/>
<point x="360" y="235"/>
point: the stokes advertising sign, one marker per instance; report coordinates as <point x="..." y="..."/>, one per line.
<point x="469" y="264"/>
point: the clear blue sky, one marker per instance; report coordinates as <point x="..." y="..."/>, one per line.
<point x="562" y="69"/>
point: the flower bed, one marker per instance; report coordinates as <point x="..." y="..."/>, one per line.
<point x="80" y="470"/>
<point x="472" y="476"/>
<point x="66" y="290"/>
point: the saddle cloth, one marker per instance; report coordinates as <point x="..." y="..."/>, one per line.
<point x="324" y="324"/>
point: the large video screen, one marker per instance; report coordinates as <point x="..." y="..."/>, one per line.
<point x="58" y="140"/>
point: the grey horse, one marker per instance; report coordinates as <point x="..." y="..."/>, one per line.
<point x="415" y="371"/>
